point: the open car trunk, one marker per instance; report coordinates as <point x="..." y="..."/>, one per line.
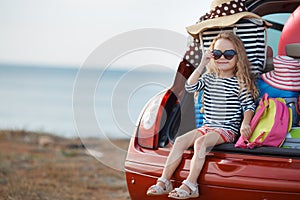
<point x="179" y="123"/>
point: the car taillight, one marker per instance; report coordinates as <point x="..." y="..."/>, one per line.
<point x="152" y="120"/>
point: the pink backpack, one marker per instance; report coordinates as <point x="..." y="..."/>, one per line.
<point x="270" y="124"/>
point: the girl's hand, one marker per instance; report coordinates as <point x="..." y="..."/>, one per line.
<point x="246" y="130"/>
<point x="194" y="78"/>
<point x="206" y="58"/>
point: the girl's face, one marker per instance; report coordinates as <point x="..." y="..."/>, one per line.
<point x="225" y="66"/>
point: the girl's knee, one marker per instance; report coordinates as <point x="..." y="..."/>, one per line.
<point x="209" y="140"/>
<point x="199" y="143"/>
<point x="181" y="142"/>
<point x="200" y="148"/>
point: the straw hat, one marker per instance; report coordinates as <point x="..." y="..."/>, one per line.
<point x="286" y="74"/>
<point x="223" y="13"/>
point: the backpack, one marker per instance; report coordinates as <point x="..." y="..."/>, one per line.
<point x="270" y="124"/>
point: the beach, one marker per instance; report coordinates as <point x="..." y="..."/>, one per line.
<point x="44" y="166"/>
<point x="53" y="99"/>
<point x="65" y="137"/>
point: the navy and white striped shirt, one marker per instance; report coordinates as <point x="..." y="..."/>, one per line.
<point x="224" y="102"/>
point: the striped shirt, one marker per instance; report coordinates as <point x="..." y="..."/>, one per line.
<point x="224" y="103"/>
<point x="251" y="32"/>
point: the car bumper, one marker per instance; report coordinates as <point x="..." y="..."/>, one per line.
<point x="234" y="176"/>
<point x="138" y="184"/>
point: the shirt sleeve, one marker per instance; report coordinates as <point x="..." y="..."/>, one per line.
<point x="247" y="101"/>
<point x="195" y="87"/>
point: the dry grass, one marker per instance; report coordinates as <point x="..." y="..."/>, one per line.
<point x="29" y="171"/>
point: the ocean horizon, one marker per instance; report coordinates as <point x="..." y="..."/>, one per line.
<point x="42" y="98"/>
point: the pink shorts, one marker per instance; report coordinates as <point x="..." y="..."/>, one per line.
<point x="227" y="135"/>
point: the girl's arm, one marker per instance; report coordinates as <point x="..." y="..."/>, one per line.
<point x="194" y="78"/>
<point x="245" y="126"/>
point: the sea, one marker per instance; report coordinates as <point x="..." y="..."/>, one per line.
<point x="75" y="102"/>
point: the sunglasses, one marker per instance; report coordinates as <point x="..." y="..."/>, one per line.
<point x="228" y="54"/>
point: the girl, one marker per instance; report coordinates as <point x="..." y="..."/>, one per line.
<point x="229" y="94"/>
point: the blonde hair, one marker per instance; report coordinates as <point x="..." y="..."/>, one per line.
<point x="242" y="70"/>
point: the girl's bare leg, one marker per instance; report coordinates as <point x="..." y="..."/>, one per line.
<point x="181" y="143"/>
<point x="201" y="144"/>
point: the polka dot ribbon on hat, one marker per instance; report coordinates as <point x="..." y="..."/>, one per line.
<point x="225" y="9"/>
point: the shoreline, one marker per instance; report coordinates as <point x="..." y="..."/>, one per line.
<point x="45" y="166"/>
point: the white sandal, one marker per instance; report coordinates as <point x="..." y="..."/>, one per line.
<point x="158" y="190"/>
<point x="183" y="194"/>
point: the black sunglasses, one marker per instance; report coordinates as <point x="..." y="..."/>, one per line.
<point x="228" y="54"/>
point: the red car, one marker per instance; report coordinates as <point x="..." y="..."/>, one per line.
<point x="229" y="173"/>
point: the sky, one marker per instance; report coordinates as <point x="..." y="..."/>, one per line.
<point x="65" y="32"/>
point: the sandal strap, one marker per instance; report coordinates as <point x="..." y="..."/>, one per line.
<point x="181" y="192"/>
<point x="192" y="186"/>
<point x="164" y="181"/>
<point x="159" y="190"/>
<point x="156" y="188"/>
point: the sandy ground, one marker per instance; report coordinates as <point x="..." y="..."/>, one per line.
<point x="39" y="166"/>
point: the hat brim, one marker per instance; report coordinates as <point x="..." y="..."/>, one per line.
<point x="223" y="21"/>
<point x="281" y="83"/>
<point x="286" y="74"/>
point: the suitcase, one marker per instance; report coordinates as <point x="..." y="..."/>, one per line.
<point x="292" y="139"/>
<point x="292" y="103"/>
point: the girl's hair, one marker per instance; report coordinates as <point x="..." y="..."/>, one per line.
<point x="242" y="70"/>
